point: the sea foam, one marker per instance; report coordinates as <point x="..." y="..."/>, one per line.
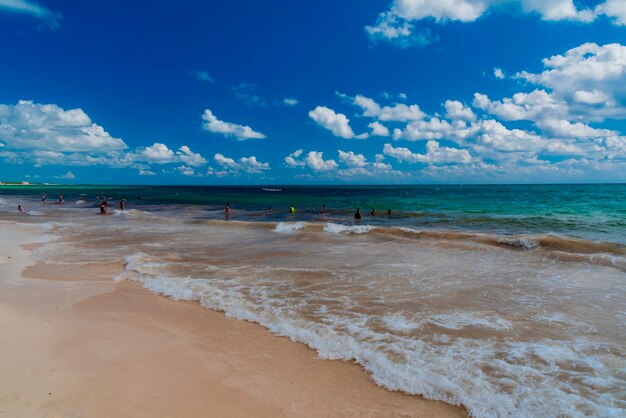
<point x="490" y="377"/>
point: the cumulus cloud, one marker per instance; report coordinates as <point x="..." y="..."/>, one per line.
<point x="397" y="24"/>
<point x="247" y="165"/>
<point x="189" y="157"/>
<point x="185" y="170"/>
<point x="456" y="110"/>
<point x="315" y="161"/>
<point x="351" y="159"/>
<point x="613" y="9"/>
<point x="28" y="125"/>
<point x="399" y="112"/>
<point x="68" y="175"/>
<point x="435" y="154"/>
<point x="435" y="128"/>
<point x="290" y="101"/>
<point x="292" y="161"/>
<point x="337" y="123"/>
<point x="33" y="9"/>
<point x="157" y="153"/>
<point x="241" y="132"/>
<point x="590" y="75"/>
<point x="378" y="129"/>
<point x="391" y="28"/>
<point x="498" y="73"/>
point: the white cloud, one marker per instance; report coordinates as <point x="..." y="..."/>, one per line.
<point x="240" y="132"/>
<point x="524" y="106"/>
<point x="378" y="129"/>
<point x="390" y="28"/>
<point x="248" y="165"/>
<point x="337" y="123"/>
<point x="28" y="125"/>
<point x="157" y="153"/>
<point x="146" y="172"/>
<point x="566" y="129"/>
<point x="456" y="110"/>
<point x="351" y="159"/>
<point x="399" y="112"/>
<point x="396" y="24"/>
<point x="315" y="161"/>
<point x="498" y="73"/>
<point x="435" y="154"/>
<point x="291" y="160"/>
<point x="434" y="128"/>
<point x="593" y="97"/>
<point x="31" y="8"/>
<point x="189" y="157"/>
<point x="290" y="101"/>
<point x="613" y="9"/>
<point x="185" y="170"/>
<point x="590" y="75"/>
<point x="68" y="175"/>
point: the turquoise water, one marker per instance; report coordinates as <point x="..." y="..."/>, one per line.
<point x="588" y="211"/>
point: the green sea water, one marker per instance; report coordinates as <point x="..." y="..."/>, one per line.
<point x="588" y="211"/>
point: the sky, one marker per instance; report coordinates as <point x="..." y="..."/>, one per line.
<point x="313" y="92"/>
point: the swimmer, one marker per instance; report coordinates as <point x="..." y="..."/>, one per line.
<point x="388" y="212"/>
<point x="227" y="208"/>
<point x="292" y="209"/>
<point x="43" y="199"/>
<point x="19" y="208"/>
<point x="357" y="214"/>
<point x="123" y="204"/>
<point x="324" y="207"/>
<point x="60" y="199"/>
<point x="103" y="207"/>
<point x="373" y="212"/>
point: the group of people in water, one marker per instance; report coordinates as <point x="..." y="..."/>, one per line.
<point x="104" y="207"/>
<point x="292" y="209"/>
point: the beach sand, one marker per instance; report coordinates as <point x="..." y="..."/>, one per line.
<point x="74" y="343"/>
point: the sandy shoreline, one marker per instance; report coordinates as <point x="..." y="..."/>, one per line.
<point x="75" y="343"/>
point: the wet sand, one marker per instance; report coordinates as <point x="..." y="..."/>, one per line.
<point x="75" y="343"/>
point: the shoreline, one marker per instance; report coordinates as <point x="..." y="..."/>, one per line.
<point x="81" y="344"/>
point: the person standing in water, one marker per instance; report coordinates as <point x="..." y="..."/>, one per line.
<point x="123" y="204"/>
<point x="103" y="207"/>
<point x="373" y="212"/>
<point x="292" y="209"/>
<point x="60" y="199"/>
<point x="43" y="198"/>
<point x="357" y="215"/>
<point x="227" y="208"/>
<point x="19" y="208"/>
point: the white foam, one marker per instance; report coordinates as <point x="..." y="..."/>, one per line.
<point x="81" y="202"/>
<point x="34" y="213"/>
<point x="460" y="320"/>
<point x="289" y="227"/>
<point x="491" y="377"/>
<point x="332" y="228"/>
<point x="398" y="322"/>
<point x="523" y="243"/>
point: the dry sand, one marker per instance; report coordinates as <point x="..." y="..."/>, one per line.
<point x="73" y="343"/>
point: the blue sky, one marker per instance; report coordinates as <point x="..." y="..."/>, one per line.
<point x="276" y="92"/>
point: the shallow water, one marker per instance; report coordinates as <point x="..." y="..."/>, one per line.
<point x="508" y="320"/>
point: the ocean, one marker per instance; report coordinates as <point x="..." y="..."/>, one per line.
<point x="507" y="299"/>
